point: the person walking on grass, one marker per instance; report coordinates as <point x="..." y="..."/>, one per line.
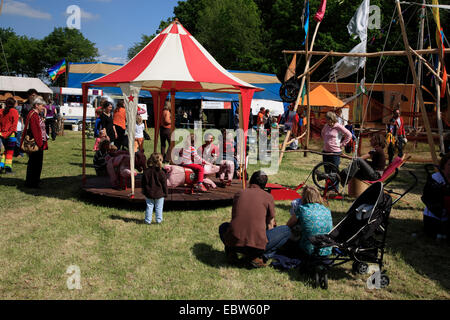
<point x="51" y="115"/>
<point x="154" y="188"/>
<point x="35" y="128"/>
<point x="335" y="137"/>
<point x="9" y="117"/>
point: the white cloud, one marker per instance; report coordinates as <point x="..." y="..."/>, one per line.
<point x="106" y="58"/>
<point x="89" y="16"/>
<point x="118" y="47"/>
<point x="18" y="8"/>
<point x="85" y="15"/>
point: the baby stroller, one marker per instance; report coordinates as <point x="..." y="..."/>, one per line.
<point x="360" y="237"/>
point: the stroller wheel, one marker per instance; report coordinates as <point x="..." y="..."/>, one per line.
<point x="321" y="278"/>
<point x="360" y="267"/>
<point x="384" y="281"/>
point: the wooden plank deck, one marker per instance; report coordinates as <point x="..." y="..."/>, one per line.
<point x="100" y="186"/>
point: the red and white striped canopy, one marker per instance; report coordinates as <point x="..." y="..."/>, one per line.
<point x="175" y="61"/>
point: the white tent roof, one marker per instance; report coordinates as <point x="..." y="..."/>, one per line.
<point x="19" y="84"/>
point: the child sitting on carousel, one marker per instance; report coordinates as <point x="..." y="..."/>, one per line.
<point x="190" y="159"/>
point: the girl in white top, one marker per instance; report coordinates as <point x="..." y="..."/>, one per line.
<point x="139" y="136"/>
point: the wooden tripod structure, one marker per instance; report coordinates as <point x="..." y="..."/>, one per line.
<point x="409" y="52"/>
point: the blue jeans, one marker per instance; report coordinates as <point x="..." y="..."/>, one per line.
<point x="334" y="159"/>
<point x="277" y="237"/>
<point x="156" y="204"/>
<point x="18" y="137"/>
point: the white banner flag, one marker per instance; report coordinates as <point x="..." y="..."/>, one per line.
<point x="360" y="22"/>
<point x="349" y="65"/>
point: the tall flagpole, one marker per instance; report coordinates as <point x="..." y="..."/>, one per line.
<point x="418" y="88"/>
<point x="308" y="61"/>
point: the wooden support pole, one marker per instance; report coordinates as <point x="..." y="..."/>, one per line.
<point x="438" y="112"/>
<point x="158" y="123"/>
<point x="308" y="125"/>
<point x="308" y="61"/>
<point x="364" y="55"/>
<point x="242" y="143"/>
<point x="314" y="67"/>
<point x="427" y="64"/>
<point x="416" y="82"/>
<point x="172" y="130"/>
<point x="85" y="92"/>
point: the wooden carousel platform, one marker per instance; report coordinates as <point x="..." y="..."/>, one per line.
<point x="101" y="187"/>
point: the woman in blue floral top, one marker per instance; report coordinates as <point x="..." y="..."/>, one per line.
<point x="313" y="218"/>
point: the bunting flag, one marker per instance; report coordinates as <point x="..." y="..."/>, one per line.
<point x="360" y="22"/>
<point x="306" y="21"/>
<point x="57" y="70"/>
<point x="321" y="11"/>
<point x="291" y="69"/>
<point x="349" y="65"/>
<point x="357" y="27"/>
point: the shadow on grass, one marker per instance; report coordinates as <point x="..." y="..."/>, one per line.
<point x="127" y="220"/>
<point x="427" y="256"/>
<point x="206" y="254"/>
<point x="88" y="165"/>
<point x="60" y="188"/>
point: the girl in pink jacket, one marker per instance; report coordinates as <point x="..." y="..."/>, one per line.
<point x="335" y="137"/>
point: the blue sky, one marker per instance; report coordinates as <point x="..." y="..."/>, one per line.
<point x="113" y="25"/>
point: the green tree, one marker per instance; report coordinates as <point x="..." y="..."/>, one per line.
<point x="69" y="44"/>
<point x="188" y="13"/>
<point x="20" y="56"/>
<point x="232" y="32"/>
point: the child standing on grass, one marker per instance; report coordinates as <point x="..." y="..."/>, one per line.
<point x="154" y="188"/>
<point x="139" y="137"/>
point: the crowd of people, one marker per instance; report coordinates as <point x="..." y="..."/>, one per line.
<point x="31" y="123"/>
<point x="252" y="231"/>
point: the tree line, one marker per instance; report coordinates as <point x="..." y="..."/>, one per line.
<point x="251" y="34"/>
<point x="243" y="35"/>
<point x="29" y="57"/>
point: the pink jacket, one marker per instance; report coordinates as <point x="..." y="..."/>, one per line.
<point x="335" y="138"/>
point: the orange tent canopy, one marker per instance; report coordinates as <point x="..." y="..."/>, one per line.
<point x="321" y="97"/>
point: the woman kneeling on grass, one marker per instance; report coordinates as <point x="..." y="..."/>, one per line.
<point x="312" y="218"/>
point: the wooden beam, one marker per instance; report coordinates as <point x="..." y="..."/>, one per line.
<point x="314" y="67"/>
<point x="416" y="82"/>
<point x="427" y="64"/>
<point x="366" y="55"/>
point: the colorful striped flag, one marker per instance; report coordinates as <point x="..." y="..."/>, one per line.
<point x="56" y="70"/>
<point x="306" y="21"/>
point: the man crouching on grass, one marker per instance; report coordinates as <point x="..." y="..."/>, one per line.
<point x="252" y="230"/>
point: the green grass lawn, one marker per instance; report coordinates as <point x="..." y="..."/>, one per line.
<point x="42" y="233"/>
